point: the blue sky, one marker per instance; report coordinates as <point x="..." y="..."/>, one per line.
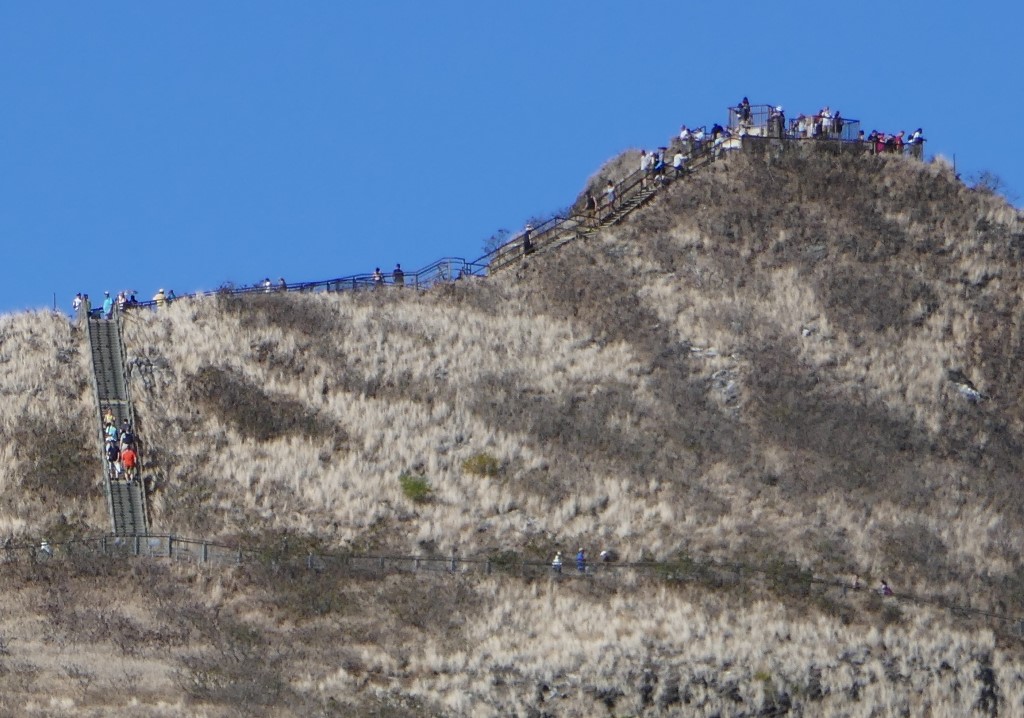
<point x="183" y="145"/>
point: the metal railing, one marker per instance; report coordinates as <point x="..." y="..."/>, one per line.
<point x="573" y="224"/>
<point x="783" y="578"/>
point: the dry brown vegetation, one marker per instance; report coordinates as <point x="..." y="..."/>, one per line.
<point x="767" y="364"/>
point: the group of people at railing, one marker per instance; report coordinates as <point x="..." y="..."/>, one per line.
<point x="120" y="449"/>
<point x="600" y="203"/>
<point x="825" y="124"/>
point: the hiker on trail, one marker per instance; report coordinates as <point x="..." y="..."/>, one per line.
<point x="581" y="560"/>
<point x="884" y="590"/>
<point x="659" y="164"/>
<point x="837" y="124"/>
<point x="130" y="461"/>
<point x="398" y="276"/>
<point x="916" y="143"/>
<point x="108" y="306"/>
<point x="679" y="162"/>
<point x="777" y="123"/>
<point x="127" y="435"/>
<point x="282" y="286"/>
<point x="76" y="303"/>
<point x="171" y="296"/>
<point x="698" y="139"/>
<point x="743" y="110"/>
<point x="267" y="286"/>
<point x="556" y="563"/>
<point x="160" y="298"/>
<point x="111" y="431"/>
<point x="590" y="207"/>
<point x="646" y="165"/>
<point x="528" y="239"/>
<point x="609" y="193"/>
<point x="113" y="455"/>
<point x="685" y="137"/>
<point x="378" y="278"/>
<point x="108" y="417"/>
<point x="897" y="143"/>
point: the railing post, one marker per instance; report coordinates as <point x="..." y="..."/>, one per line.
<point x="487" y="567"/>
<point x="170" y="547"/>
<point x="136" y="546"/>
<point x="206" y="552"/>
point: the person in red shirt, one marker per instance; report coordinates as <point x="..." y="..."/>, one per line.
<point x="129" y="460"/>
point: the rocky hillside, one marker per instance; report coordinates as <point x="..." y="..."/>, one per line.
<point x="801" y="361"/>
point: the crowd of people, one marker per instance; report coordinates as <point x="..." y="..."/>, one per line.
<point x="824" y="124"/>
<point x="120" y="449"/>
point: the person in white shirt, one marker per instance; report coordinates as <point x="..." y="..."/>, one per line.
<point x="677" y="163"/>
<point x="609" y="193"/>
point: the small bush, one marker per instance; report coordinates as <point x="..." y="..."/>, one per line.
<point x="482" y="464"/>
<point x="416" y="488"/>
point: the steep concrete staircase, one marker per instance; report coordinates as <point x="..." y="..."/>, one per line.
<point x="126" y="500"/>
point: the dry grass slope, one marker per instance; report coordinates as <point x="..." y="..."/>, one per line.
<point x="771" y="363"/>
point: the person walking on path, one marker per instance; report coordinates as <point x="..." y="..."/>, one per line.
<point x="398" y="276"/>
<point x="130" y="462"/>
<point x="556" y="563"/>
<point x="581" y="560"/>
<point x="108" y="306"/>
<point x="160" y="298"/>
<point x="528" y="240"/>
<point x="609" y="193"/>
<point x="590" y="206"/>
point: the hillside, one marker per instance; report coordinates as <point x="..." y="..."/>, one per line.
<point x="796" y="360"/>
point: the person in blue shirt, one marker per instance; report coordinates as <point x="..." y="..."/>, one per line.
<point x="581" y="561"/>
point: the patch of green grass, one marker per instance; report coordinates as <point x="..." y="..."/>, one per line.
<point x="416" y="488"/>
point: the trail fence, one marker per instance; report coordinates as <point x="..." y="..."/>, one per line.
<point x="787" y="579"/>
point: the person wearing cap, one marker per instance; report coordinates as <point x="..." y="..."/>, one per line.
<point x="556" y="563"/>
<point x="108" y="306"/>
<point x="777" y="123"/>
<point x="160" y="298"/>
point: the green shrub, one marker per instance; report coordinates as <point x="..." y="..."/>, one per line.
<point x="416" y="488"/>
<point x="482" y="464"/>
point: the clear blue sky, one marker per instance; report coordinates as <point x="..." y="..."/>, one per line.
<point x="182" y="145"/>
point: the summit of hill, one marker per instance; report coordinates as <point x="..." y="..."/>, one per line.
<point x="799" y="361"/>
